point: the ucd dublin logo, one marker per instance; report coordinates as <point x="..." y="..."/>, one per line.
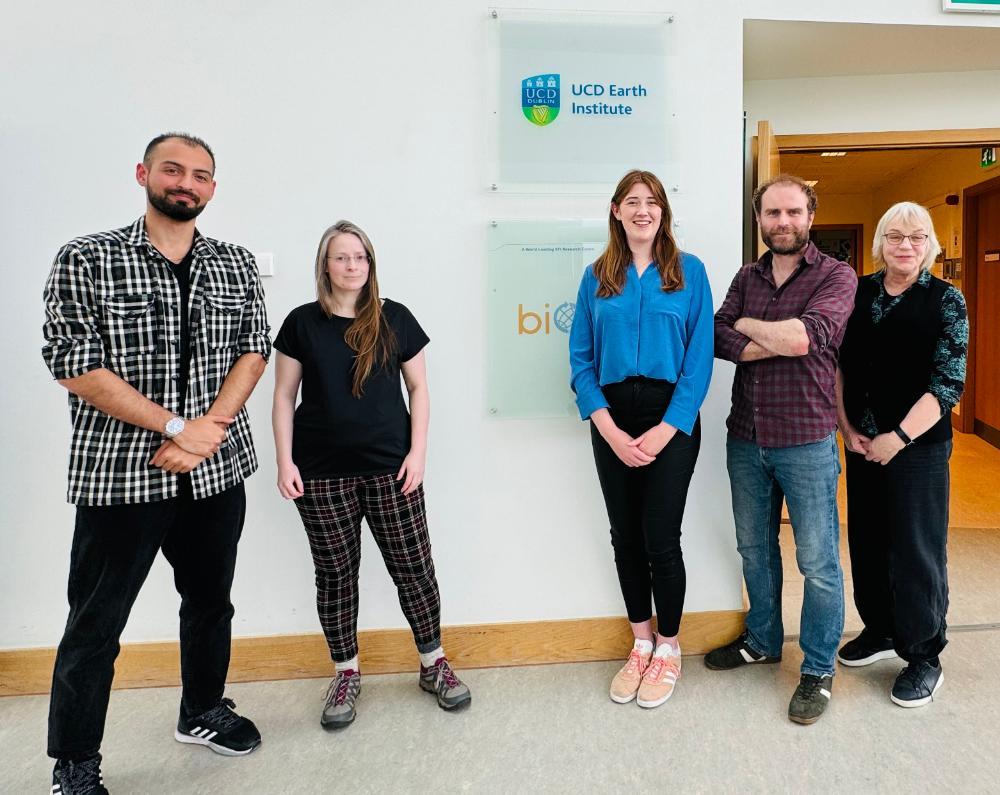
<point x="540" y="99"/>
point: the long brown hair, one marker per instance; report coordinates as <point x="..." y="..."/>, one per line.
<point x="369" y="334"/>
<point x="609" y="268"/>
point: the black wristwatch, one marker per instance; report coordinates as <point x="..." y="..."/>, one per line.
<point x="907" y="441"/>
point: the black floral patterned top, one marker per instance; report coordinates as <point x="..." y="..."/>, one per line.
<point x="899" y="347"/>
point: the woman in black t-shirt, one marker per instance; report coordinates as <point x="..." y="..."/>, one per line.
<point x="351" y="450"/>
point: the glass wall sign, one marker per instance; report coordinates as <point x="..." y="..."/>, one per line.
<point x="534" y="273"/>
<point x="578" y="99"/>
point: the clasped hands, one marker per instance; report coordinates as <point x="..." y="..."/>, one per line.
<point x="881" y="450"/>
<point x="199" y="440"/>
<point x="644" y="448"/>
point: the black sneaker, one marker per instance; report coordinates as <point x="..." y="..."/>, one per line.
<point x="82" y="777"/>
<point x="735" y="655"/>
<point x="865" y="649"/>
<point x="220" y="729"/>
<point x="810" y="698"/>
<point x="916" y="684"/>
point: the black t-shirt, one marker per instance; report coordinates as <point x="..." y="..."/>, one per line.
<point x="336" y="434"/>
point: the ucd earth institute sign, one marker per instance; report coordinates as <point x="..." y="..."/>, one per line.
<point x="580" y="100"/>
<point x="540" y="98"/>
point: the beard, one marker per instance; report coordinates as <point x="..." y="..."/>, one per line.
<point x="173" y="210"/>
<point x="800" y="237"/>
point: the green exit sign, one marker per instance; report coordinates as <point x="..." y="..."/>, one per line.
<point x="988" y="157"/>
<point x="972" y="5"/>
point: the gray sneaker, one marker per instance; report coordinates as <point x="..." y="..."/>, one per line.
<point x="341" y="696"/>
<point x="440" y="679"/>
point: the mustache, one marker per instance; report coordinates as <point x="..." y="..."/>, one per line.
<point x="188" y="194"/>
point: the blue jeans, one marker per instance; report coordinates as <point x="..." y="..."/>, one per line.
<point x="806" y="477"/>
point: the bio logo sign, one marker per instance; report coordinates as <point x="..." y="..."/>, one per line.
<point x="534" y="322"/>
<point x="540" y="99"/>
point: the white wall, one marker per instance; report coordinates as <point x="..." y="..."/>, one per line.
<point x="866" y="103"/>
<point x="322" y="110"/>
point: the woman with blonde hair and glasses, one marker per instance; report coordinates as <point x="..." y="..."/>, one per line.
<point x="902" y="369"/>
<point x="641" y="351"/>
<point x="351" y="450"/>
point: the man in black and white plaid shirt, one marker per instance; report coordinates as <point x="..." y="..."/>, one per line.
<point x="160" y="335"/>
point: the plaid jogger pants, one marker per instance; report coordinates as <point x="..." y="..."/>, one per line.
<point x="332" y="510"/>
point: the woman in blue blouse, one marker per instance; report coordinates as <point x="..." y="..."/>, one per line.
<point x="641" y="360"/>
<point x="902" y="369"/>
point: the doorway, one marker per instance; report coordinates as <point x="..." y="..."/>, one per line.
<point x="857" y="177"/>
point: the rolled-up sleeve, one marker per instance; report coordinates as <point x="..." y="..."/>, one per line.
<point x="582" y="355"/>
<point x="73" y="344"/>
<point x="254" y="330"/>
<point x="826" y="313"/>
<point x="729" y="343"/>
<point x="947" y="379"/>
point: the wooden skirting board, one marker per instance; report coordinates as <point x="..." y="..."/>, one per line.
<point x="29" y="671"/>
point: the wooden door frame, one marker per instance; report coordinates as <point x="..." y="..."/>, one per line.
<point x="970" y="284"/>
<point x="906" y="139"/>
<point x="925" y="139"/>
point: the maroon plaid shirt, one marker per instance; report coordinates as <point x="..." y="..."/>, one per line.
<point x="787" y="400"/>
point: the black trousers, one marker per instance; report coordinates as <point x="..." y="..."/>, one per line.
<point x="646" y="504"/>
<point x="113" y="550"/>
<point x="897" y="526"/>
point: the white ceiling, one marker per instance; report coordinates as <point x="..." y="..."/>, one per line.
<point x="775" y="50"/>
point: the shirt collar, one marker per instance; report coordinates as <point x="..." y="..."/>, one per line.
<point x="139" y="238"/>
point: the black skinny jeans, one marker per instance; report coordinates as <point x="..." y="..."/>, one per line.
<point x="897" y="528"/>
<point x="113" y="549"/>
<point x="646" y="504"/>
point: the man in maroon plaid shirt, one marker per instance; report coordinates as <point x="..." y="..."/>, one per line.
<point x="782" y="323"/>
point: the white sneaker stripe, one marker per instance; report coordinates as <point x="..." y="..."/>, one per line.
<point x="825" y="692"/>
<point x="747" y="656"/>
<point x="210" y="736"/>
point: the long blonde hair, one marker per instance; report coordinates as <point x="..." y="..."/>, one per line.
<point x="610" y="267"/>
<point x="369" y="334"/>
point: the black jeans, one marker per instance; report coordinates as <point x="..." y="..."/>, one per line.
<point x="646" y="504"/>
<point x="113" y="550"/>
<point x="897" y="527"/>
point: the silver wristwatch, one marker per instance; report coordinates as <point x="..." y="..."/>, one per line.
<point x="174" y="426"/>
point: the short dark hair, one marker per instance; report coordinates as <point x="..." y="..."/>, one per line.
<point x="190" y="140"/>
<point x="786" y="179"/>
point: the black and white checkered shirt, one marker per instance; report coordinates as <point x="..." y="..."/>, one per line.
<point x="112" y="301"/>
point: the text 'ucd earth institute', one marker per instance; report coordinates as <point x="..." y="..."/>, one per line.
<point x="540" y="98"/>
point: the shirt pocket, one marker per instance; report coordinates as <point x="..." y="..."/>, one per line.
<point x="223" y="313"/>
<point x="130" y="324"/>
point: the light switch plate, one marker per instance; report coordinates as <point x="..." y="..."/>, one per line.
<point x="265" y="264"/>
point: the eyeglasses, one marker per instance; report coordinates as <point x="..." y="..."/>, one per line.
<point x="343" y="259"/>
<point x="897" y="239"/>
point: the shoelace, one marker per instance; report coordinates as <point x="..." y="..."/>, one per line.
<point x="913" y="676"/>
<point x="82" y="776"/>
<point x="634" y="664"/>
<point x="809" y="686"/>
<point x="445" y="673"/>
<point x="339" y="687"/>
<point x="221" y="714"/>
<point x="656" y="666"/>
